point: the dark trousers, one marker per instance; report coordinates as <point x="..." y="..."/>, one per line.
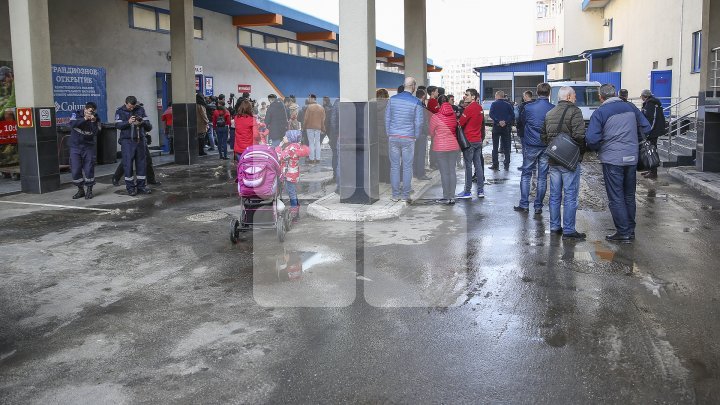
<point x="473" y="156"/>
<point x="149" y="169"/>
<point x="82" y="160"/>
<point x="420" y="155"/>
<point x="134" y="153"/>
<point x="448" y="176"/>
<point x="620" y="186"/>
<point x="501" y="134"/>
<point x="334" y="148"/>
<point x="222" y="134"/>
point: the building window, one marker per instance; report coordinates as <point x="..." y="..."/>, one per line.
<point x="158" y="20"/>
<point x="143" y="18"/>
<point x="198" y="28"/>
<point x="271" y="43"/>
<point x="164" y="21"/>
<point x="292" y="47"/>
<point x="655" y="65"/>
<point x="696" y="51"/>
<point x="669" y="62"/>
<point x="610" y="29"/>
<point x="545" y="37"/>
<point x="542" y="9"/>
<point x="244" y="38"/>
<point x="282" y="45"/>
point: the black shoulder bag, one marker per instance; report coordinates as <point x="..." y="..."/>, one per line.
<point x="562" y="148"/>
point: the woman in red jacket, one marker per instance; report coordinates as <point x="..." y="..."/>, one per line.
<point x="443" y="127"/>
<point x="246" y="129"/>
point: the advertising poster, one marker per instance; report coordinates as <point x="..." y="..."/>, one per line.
<point x="8" y="126"/>
<point x="73" y="86"/>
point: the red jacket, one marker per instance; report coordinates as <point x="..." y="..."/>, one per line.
<point x="472" y="122"/>
<point x="246" y="133"/>
<point x="167" y="116"/>
<point x="443" y="128"/>
<point x="433" y="106"/>
<point x="217" y="115"/>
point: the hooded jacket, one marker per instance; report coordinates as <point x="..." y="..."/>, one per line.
<point x="443" y="129"/>
<point x="652" y="109"/>
<point x="613" y="132"/>
<point x="472" y="121"/>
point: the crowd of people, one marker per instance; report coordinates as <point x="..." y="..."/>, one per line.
<point x="419" y="128"/>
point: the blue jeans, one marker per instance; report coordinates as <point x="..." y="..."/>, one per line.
<point x="473" y="157"/>
<point x="222" y="134"/>
<point x="533" y="156"/>
<point x="314" y="140"/>
<point x="292" y="193"/>
<point x="620" y="186"/>
<point x="401" y="152"/>
<point x="565" y="187"/>
<point x="211" y="137"/>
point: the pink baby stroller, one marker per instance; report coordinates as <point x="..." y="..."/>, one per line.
<point x="260" y="187"/>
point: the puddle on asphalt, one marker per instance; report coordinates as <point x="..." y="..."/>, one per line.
<point x="292" y="266"/>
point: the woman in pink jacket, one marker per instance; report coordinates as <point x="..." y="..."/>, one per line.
<point x="443" y="127"/>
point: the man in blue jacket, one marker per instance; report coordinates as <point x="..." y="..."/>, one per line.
<point x="403" y="124"/>
<point x="503" y="114"/>
<point x="532" y="119"/>
<point x="133" y="123"/>
<point x="613" y="132"/>
<point x="84" y="127"/>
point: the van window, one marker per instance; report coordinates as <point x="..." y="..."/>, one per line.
<point x="587" y="96"/>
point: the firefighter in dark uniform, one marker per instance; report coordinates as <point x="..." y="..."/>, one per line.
<point x="84" y="128"/>
<point x="132" y="122"/>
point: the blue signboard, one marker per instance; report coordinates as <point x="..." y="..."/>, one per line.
<point x="73" y="86"/>
<point x="209" y="83"/>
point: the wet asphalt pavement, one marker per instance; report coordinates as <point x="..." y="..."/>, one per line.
<point x="475" y="303"/>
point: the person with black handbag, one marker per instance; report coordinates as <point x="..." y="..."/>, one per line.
<point x="444" y="131"/>
<point x="565" y="119"/>
<point x="652" y="109"/>
<point x="613" y="132"/>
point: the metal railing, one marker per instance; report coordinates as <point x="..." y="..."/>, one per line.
<point x="682" y="117"/>
<point x="715" y="72"/>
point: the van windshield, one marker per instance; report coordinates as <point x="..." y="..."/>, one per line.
<point x="587" y="96"/>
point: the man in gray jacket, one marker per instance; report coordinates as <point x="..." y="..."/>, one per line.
<point x="566" y="118"/>
<point x="613" y="132"/>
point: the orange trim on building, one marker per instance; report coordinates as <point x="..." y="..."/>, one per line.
<point x="258" y="20"/>
<point x="384" y="54"/>
<point x="252" y="62"/>
<point x="316" y="36"/>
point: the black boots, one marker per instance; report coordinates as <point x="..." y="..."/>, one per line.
<point x="80" y="193"/>
<point x="89" y="194"/>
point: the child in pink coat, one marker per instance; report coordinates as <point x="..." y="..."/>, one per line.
<point x="290" y="151"/>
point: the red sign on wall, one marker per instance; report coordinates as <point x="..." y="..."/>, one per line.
<point x="8" y="132"/>
<point x="25" y="118"/>
<point x="244" y="88"/>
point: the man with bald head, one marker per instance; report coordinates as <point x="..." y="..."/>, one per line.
<point x="403" y="125"/>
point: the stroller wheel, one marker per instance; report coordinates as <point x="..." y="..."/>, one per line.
<point x="281" y="230"/>
<point x="288" y="222"/>
<point x="234" y="231"/>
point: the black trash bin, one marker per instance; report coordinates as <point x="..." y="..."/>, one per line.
<point x="63" y="138"/>
<point x="107" y="144"/>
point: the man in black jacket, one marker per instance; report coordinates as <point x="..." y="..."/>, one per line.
<point x="276" y="120"/>
<point x="652" y="109"/>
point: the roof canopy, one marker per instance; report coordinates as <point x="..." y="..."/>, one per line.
<point x="541" y="64"/>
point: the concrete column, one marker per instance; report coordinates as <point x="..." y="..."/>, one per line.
<point x="357" y="142"/>
<point x="30" y="36"/>
<point x="183" y="81"/>
<point x="416" y="40"/>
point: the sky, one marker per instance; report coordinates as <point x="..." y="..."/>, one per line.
<point x="456" y="28"/>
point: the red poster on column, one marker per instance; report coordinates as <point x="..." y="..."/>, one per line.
<point x="8" y="132"/>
